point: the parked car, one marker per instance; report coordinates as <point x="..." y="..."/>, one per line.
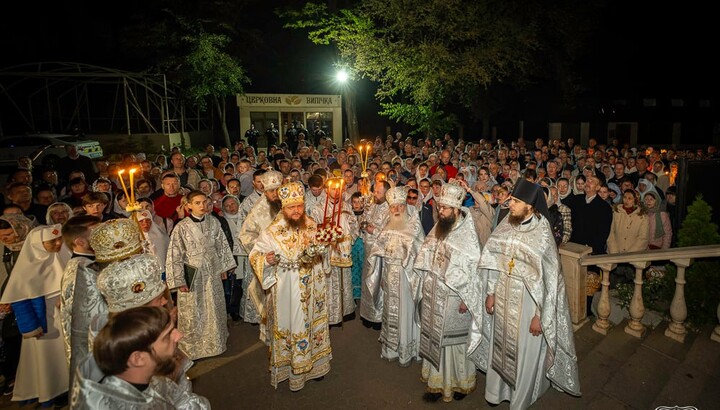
<point x="46" y="148"/>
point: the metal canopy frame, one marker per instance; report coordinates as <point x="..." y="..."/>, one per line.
<point x="64" y="97"/>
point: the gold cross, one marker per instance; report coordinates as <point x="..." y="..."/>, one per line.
<point x="511" y="265"/>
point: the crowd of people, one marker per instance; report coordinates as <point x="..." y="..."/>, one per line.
<point x="118" y="274"/>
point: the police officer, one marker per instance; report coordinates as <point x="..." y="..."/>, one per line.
<point x="272" y="134"/>
<point x="251" y="136"/>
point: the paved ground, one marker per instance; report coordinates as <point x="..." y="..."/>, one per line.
<point x="358" y="379"/>
<point x="617" y="371"/>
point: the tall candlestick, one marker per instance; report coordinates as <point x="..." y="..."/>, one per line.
<point x="332" y="216"/>
<point x="367" y="155"/>
<point x="131" y="200"/>
<point x="363" y="160"/>
<point x="327" y="198"/>
<point x="340" y="205"/>
<point x="122" y="182"/>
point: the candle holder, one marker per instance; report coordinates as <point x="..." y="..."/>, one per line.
<point x="311" y="253"/>
<point x="364" y="183"/>
<point x="132" y="207"/>
<point x="330" y="231"/>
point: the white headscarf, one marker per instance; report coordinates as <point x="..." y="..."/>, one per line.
<point x="234" y="221"/>
<point x="22" y="226"/>
<point x="119" y="209"/>
<point x="37" y="272"/>
<point x="470" y="173"/>
<point x="48" y="216"/>
<point x="156" y="240"/>
<point x="649" y="187"/>
<point x="419" y="176"/>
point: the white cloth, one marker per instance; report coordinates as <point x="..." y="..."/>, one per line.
<point x="530" y="357"/>
<point x="520" y="267"/>
<point x="311" y="201"/>
<point x="296" y="316"/>
<point x="393" y="254"/>
<point x="448" y="268"/>
<point x="202" y="316"/>
<point x="42" y="372"/>
<point x="377" y="215"/>
<point x="81" y="300"/>
<point x="41" y="271"/>
<point x="255" y="222"/>
<point x="156" y="240"/>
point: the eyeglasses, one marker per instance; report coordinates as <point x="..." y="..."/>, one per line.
<point x="412" y="197"/>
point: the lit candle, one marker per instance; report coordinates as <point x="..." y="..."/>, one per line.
<point x="132" y="187"/>
<point x="367" y="154"/>
<point x="122" y="182"/>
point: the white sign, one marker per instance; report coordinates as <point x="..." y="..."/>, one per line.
<point x="289" y="100"/>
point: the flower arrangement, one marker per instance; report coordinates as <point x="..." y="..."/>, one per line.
<point x="328" y="234"/>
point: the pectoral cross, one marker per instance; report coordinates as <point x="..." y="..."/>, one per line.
<point x="511" y="265"/>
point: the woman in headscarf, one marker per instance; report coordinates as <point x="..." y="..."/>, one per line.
<point x="13" y="231"/>
<point x="422" y="171"/>
<point x="157" y="241"/>
<point x="161" y="161"/>
<point x="578" y="184"/>
<point x="660" y="229"/>
<point x="616" y="189"/>
<point x="119" y="204"/>
<point x="607" y="170"/>
<point x="33" y="290"/>
<point x="58" y="213"/>
<point x="206" y="186"/>
<point x="470" y="172"/>
<point x="144" y="188"/>
<point x="485" y="181"/>
<point x="164" y="224"/>
<point x="233" y="285"/>
<point x="644" y="186"/>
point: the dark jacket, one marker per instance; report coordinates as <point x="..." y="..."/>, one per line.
<point x="590" y="222"/>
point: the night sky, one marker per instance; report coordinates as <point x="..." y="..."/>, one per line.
<point x="638" y="51"/>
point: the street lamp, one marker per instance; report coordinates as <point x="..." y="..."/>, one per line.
<point x="342" y="77"/>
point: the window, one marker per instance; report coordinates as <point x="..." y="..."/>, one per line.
<point x="322" y="119"/>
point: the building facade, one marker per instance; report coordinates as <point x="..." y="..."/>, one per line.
<point x="283" y="110"/>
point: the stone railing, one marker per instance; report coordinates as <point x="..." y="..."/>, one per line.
<point x="576" y="258"/>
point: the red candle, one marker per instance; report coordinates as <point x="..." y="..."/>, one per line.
<point x="327" y="198"/>
<point x="339" y="199"/>
<point x="334" y="202"/>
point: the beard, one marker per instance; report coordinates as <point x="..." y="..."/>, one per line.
<point x="444" y="226"/>
<point x="397" y="222"/>
<point x="379" y="201"/>
<point x="516" y="220"/>
<point x="298" y="224"/>
<point x="275" y="207"/>
<point x="165" y="366"/>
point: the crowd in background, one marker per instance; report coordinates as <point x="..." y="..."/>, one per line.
<point x="611" y="197"/>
